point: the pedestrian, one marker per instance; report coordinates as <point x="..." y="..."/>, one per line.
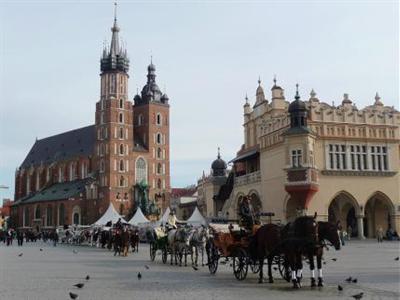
<point x="55" y="238"/>
<point x="340" y="231"/>
<point x="349" y="232"/>
<point x="379" y="234"/>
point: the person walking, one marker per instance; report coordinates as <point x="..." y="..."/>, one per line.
<point x="340" y="231"/>
<point x="379" y="234"/>
<point x="349" y="232"/>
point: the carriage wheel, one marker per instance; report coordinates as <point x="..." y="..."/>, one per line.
<point x="284" y="269"/>
<point x="152" y="251"/>
<point x="213" y="258"/>
<point x="254" y="266"/>
<point x="240" y="264"/>
<point x="164" y="255"/>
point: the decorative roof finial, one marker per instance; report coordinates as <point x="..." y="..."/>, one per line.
<point x="274" y="79"/>
<point x="151" y="59"/>
<point x="313" y="93"/>
<point x="219" y="154"/>
<point x="115" y="11"/>
<point x="247" y="99"/>
<point x="297" y="97"/>
<point x="259" y="80"/>
<point x="378" y="99"/>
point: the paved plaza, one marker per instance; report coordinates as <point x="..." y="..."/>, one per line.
<point x="51" y="273"/>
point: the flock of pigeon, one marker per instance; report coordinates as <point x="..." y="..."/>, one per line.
<point x="139" y="276"/>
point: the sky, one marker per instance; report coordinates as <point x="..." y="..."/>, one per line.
<point x="208" y="55"/>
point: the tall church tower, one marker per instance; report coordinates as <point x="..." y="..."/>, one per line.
<point x="114" y="129"/>
<point x="151" y="114"/>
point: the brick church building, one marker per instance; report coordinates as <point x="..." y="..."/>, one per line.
<point x="122" y="158"/>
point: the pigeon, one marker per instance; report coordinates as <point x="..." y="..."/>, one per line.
<point x="147" y="267"/>
<point x="348" y="279"/>
<point x="358" y="296"/>
<point x="223" y="262"/>
<point x="354" y="280"/>
<point x="79" y="285"/>
<point x="275" y="268"/>
<point x="195" y="268"/>
<point x="139" y="276"/>
<point x="397" y="258"/>
<point x="324" y="262"/>
<point x="73" y="296"/>
<point x="41" y="249"/>
<point x="334" y="259"/>
<point x="87" y="277"/>
<point x="340" y="288"/>
<point x="20" y="254"/>
<point x="75" y="251"/>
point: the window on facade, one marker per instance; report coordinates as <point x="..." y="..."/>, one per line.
<point x="141" y="170"/>
<point x="60" y="174"/>
<point x="113" y="84"/>
<point x="121" y="103"/>
<point x="121" y="149"/>
<point x="121" y="118"/>
<point x="159" y="119"/>
<point x="101" y="118"/>
<point x="49" y="216"/>
<point x="159" y="138"/>
<point x="26" y="217"/>
<point x="76" y="218"/>
<point x="379" y="158"/>
<point x="159" y="153"/>
<point x="121" y="165"/>
<point x="296" y="158"/>
<point x="159" y="168"/>
<point x="337" y="157"/>
<point x="122" y="181"/>
<point x="102" y="166"/>
<point x="61" y="214"/>
<point x="121" y="133"/>
<point x="37" y="212"/>
<point x="159" y="183"/>
<point x="140" y="120"/>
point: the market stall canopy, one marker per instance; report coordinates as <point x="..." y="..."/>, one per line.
<point x="196" y="218"/>
<point x="138" y="218"/>
<point x="110" y="215"/>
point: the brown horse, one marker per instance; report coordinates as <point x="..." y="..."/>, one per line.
<point x="134" y="240"/>
<point x="264" y="245"/>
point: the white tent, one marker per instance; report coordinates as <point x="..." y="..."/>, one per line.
<point x="138" y="218"/>
<point x="164" y="218"/>
<point x="110" y="215"/>
<point x="196" y="218"/>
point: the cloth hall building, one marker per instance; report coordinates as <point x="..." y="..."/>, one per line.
<point x="308" y="156"/>
<point x="123" y="158"/>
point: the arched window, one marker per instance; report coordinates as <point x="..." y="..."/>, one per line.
<point x="122" y="181"/>
<point x="159" y="183"/>
<point x="159" y="168"/>
<point x="102" y="166"/>
<point x="121" y="165"/>
<point x="26" y="217"/>
<point x="121" y="133"/>
<point x="37" y="212"/>
<point x="159" y="153"/>
<point x="159" y="119"/>
<point x="49" y="216"/>
<point x="121" y="103"/>
<point x="159" y="138"/>
<point x="121" y="149"/>
<point x="61" y="214"/>
<point x="140" y="120"/>
<point x="121" y="118"/>
<point x="76" y="215"/>
<point x="141" y="170"/>
<point x="101" y="118"/>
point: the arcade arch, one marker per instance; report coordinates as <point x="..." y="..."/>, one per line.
<point x="379" y="211"/>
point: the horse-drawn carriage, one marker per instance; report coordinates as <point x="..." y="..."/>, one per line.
<point x="158" y="241"/>
<point x="230" y="243"/>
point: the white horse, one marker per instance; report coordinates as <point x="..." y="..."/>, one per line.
<point x="197" y="241"/>
<point x="178" y="243"/>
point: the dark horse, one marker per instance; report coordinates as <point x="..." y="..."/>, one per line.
<point x="326" y="232"/>
<point x="299" y="238"/>
<point x="264" y="245"/>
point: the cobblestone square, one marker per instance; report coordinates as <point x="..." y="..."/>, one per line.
<point x="51" y="273"/>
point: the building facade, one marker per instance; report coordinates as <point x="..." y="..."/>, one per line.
<point x="72" y="177"/>
<point x="308" y="156"/>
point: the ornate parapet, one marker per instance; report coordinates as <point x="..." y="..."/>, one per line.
<point x="248" y="178"/>
<point x="357" y="173"/>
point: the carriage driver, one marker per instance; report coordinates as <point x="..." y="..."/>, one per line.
<point x="171" y="222"/>
<point x="246" y="214"/>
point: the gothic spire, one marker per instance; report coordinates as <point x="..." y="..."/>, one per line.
<point x="114" y="49"/>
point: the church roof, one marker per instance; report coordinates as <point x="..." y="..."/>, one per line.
<point x="77" y="142"/>
<point x="59" y="191"/>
